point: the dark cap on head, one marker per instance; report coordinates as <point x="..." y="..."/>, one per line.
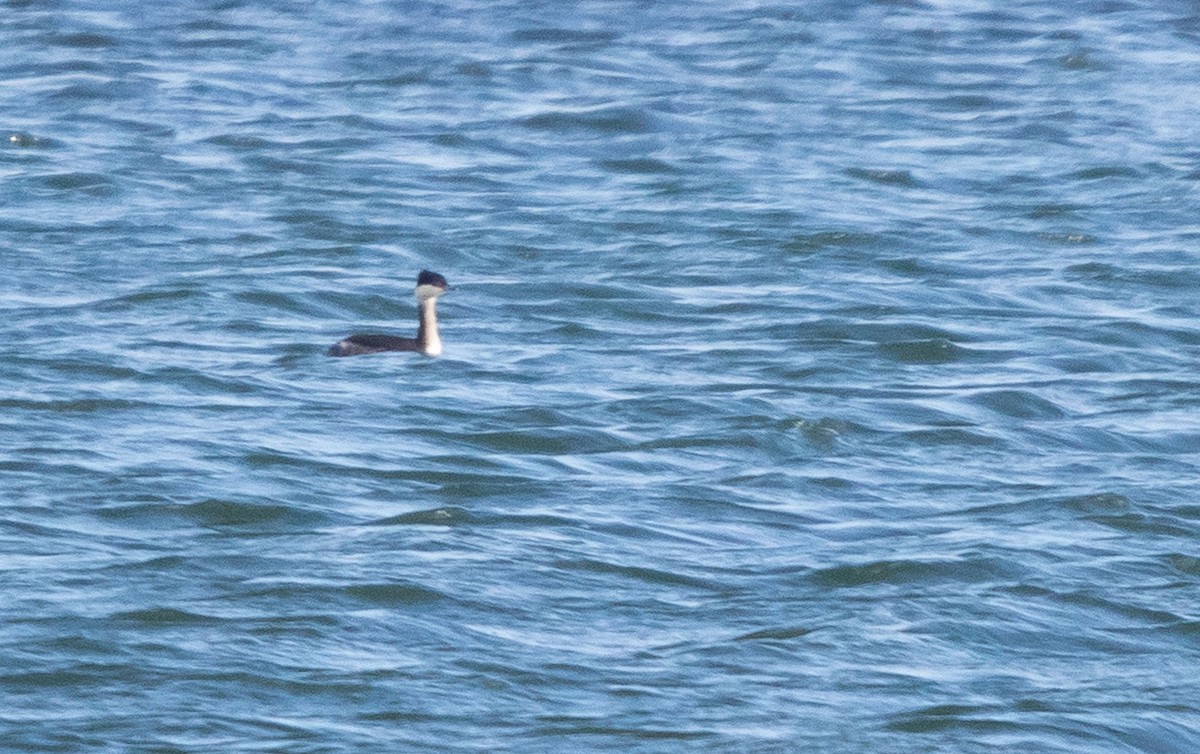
<point x="432" y="278"/>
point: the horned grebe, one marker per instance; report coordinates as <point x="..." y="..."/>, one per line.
<point x="430" y="285"/>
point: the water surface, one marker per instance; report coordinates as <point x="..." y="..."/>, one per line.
<point x="817" y="378"/>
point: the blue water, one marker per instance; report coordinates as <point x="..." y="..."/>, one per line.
<point x="819" y="377"/>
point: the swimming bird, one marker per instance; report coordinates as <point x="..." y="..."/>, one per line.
<point x="430" y="285"/>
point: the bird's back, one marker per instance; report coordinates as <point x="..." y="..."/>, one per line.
<point x="357" y="345"/>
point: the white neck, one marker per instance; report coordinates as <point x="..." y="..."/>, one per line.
<point x="431" y="342"/>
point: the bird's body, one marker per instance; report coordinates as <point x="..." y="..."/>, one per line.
<point x="430" y="285"/>
<point x="364" y="343"/>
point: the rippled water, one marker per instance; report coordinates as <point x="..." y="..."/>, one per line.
<point x="818" y="377"/>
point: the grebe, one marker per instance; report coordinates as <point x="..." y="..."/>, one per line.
<point x="430" y="285"/>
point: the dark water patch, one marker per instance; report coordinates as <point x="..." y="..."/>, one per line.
<point x="256" y="328"/>
<point x="450" y="516"/>
<point x="943" y="718"/>
<point x="600" y="121"/>
<point x="1147" y="524"/>
<point x="908" y="266"/>
<point x="1019" y="404"/>
<point x="1140" y="335"/>
<point x="453" y="140"/>
<point x="1082" y="60"/>
<point x="954" y="437"/>
<point x="776" y="634"/>
<point x="1087" y="364"/>
<point x="1121" y="611"/>
<point x="73" y="405"/>
<point x="736" y="235"/>
<point x="1100" y="271"/>
<point x="1105" y="272"/>
<point x="643" y="574"/>
<point x="400" y="717"/>
<point x="639" y="531"/>
<point x="352" y="122"/>
<point x="1055" y="210"/>
<point x="1043" y="133"/>
<point x="1188" y="565"/>
<point x="95" y="368"/>
<point x="37" y="539"/>
<point x="395" y="594"/>
<point x="876" y="326"/>
<point x="1098" y="504"/>
<point x="1108" y="509"/>
<point x="222" y="41"/>
<point x="273" y="165"/>
<point x="474" y="69"/>
<point x="445" y="516"/>
<point x="543" y="440"/>
<point x="245" y="515"/>
<point x="240" y="142"/>
<point x="596" y="733"/>
<point x="295" y="628"/>
<point x="83" y="40"/>
<point x="1043" y="508"/>
<point x="578" y="331"/>
<point x="170" y="296"/>
<point x="26" y="140"/>
<point x="452" y="481"/>
<point x="565" y="36"/>
<point x="824" y="433"/>
<point x="1104" y="172"/>
<point x="838" y="239"/>
<point x="883" y="177"/>
<point x="1186" y="629"/>
<point x="164" y="564"/>
<point x="333" y="600"/>
<point x="1161" y="393"/>
<point x="370" y="305"/>
<point x="78" y="644"/>
<point x="323" y="226"/>
<point x="315" y="263"/>
<point x="81" y="675"/>
<point x="58" y="69"/>
<point x="928" y="351"/>
<point x="689" y="442"/>
<point x="199" y="382"/>
<point x="215" y="513"/>
<point x="975" y="569"/>
<point x="165" y="617"/>
<point x="963" y="103"/>
<point x="1002" y="26"/>
<point x="638" y="166"/>
<point x="96" y="92"/>
<point x="88" y="184"/>
<point x="278" y="301"/>
<point x="397" y="81"/>
<point x="1068" y="238"/>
